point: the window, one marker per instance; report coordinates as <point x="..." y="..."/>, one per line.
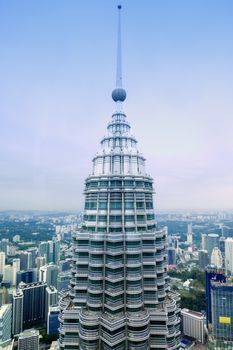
<point x="115" y="205"/>
<point x="129" y="183"/>
<point x="103" y="205"/>
<point x="150" y="217"/>
<point x="93" y="184"/>
<point x="129" y="205"/>
<point x="102" y="218"/>
<point x="149" y="205"/>
<point x="129" y="229"/>
<point x="102" y="229"/>
<point x="91" y="217"/>
<point x="115" y="229"/>
<point x="115" y="218"/>
<point x="140" y="217"/>
<point x="140" y="205"/>
<point x="103" y="184"/>
<point x="140" y="229"/>
<point x="139" y="183"/>
<point x="129" y="218"/>
<point x="91" y="205"/>
<point x="116" y="183"/>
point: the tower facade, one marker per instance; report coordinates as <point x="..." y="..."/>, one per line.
<point x="212" y="242"/>
<point x="216" y="258"/>
<point x="17" y="312"/>
<point x="29" y="340"/>
<point x="5" y="324"/>
<point x="119" y="297"/>
<point x="33" y="302"/>
<point x="229" y="255"/>
<point x="2" y="262"/>
<point x="190" y="234"/>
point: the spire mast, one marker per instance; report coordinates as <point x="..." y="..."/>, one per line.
<point x="119" y="58"/>
<point x="119" y="94"/>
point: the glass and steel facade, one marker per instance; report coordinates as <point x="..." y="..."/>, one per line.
<point x="222" y="311"/>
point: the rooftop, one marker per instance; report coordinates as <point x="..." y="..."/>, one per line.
<point x="3" y="309"/>
<point x="29" y="333"/>
<point x="192" y="313"/>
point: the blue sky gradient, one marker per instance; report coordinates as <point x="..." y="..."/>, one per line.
<point x="57" y="71"/>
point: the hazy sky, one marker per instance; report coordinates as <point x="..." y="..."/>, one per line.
<point x="57" y="71"/>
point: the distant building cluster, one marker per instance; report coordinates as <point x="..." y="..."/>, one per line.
<point x="33" y="276"/>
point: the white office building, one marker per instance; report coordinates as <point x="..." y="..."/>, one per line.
<point x="29" y="340"/>
<point x="216" y="258"/>
<point x="193" y="324"/>
<point x="229" y="255"/>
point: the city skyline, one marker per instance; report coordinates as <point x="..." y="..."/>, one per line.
<point x="178" y="75"/>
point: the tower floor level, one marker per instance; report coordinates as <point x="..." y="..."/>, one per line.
<point x="119" y="297"/>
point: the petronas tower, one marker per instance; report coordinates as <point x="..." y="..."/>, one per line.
<point x="119" y="297"/>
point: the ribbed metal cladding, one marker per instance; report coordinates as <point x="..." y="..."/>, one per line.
<point x="119" y="297"/>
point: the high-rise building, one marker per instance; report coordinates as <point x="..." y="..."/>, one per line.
<point x="171" y="256"/>
<point x="222" y="315"/>
<point x="48" y="274"/>
<point x="63" y="281"/>
<point x="16" y="264"/>
<point x="203" y="259"/>
<point x="43" y="250"/>
<point x="193" y="324"/>
<point x="50" y="299"/>
<point x="29" y="340"/>
<point x="53" y="321"/>
<point x="9" y="274"/>
<point x="40" y="261"/>
<point x="212" y="242"/>
<point x="50" y="250"/>
<point x="212" y="274"/>
<point x="190" y="234"/>
<point x="29" y="276"/>
<point x="4" y="296"/>
<point x="2" y="262"/>
<point x="229" y="255"/>
<point x="119" y="297"/>
<point x="33" y="302"/>
<point x="204" y="241"/>
<point x="64" y="265"/>
<point x="4" y="245"/>
<point x="222" y="248"/>
<point x="5" y="324"/>
<point x="17" y="312"/>
<point x="216" y="258"/>
<point x="25" y="261"/>
<point x="33" y="252"/>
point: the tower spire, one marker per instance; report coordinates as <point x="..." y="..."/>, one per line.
<point x="119" y="94"/>
<point x="119" y="68"/>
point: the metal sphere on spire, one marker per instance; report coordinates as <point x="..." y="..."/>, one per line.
<point x="119" y="94"/>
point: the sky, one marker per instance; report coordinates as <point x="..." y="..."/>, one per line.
<point x="57" y="71"/>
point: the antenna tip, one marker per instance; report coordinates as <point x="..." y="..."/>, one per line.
<point x="119" y="7"/>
